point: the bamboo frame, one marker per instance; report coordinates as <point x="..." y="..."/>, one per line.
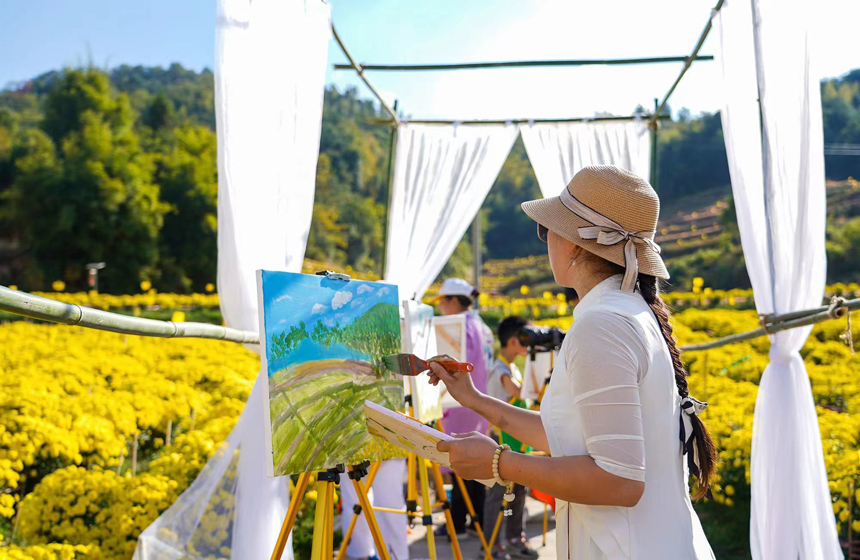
<point x="358" y="70"/>
<point x="777" y="323"/>
<point x="526" y="121"/>
<point x="522" y="64"/>
<point x="690" y="59"/>
<point x="44" y="309"/>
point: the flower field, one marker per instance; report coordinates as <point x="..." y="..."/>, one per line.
<point x="75" y="403"/>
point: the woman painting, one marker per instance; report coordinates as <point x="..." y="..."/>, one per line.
<point x="617" y="420"/>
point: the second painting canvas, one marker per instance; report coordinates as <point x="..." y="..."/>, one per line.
<point x="324" y="341"/>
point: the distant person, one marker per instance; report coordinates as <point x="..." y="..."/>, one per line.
<point x="456" y="297"/>
<point x="504" y="381"/>
<point x="617" y="418"/>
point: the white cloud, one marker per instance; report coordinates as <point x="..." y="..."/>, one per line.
<point x="363" y="289"/>
<point x="384" y="291"/>
<point x="318" y="308"/>
<point x="282" y="298"/>
<point x="340" y="299"/>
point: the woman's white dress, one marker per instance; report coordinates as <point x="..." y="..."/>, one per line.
<point x="613" y="396"/>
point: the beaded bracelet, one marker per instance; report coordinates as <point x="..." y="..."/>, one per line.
<point x="509" y="485"/>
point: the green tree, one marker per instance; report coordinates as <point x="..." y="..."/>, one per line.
<point x="84" y="191"/>
<point x="187" y="174"/>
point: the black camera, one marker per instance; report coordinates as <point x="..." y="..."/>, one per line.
<point x="549" y="338"/>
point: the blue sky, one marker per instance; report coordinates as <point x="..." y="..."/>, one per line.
<point x="293" y="298"/>
<point x="42" y="35"/>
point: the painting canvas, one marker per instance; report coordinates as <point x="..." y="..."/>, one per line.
<point x="324" y="342"/>
<point x="420" y="339"/>
<point x="537" y="370"/>
<point x="450" y="340"/>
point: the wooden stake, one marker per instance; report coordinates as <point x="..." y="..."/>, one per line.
<point x="169" y="432"/>
<point x="134" y="454"/>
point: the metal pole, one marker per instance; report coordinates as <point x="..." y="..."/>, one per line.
<point x="653" y="125"/>
<point x="476" y="246"/>
<point x="519" y="64"/>
<point x="360" y="72"/>
<point x="690" y="59"/>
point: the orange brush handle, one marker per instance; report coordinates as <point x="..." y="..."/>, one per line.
<point x="455" y="367"/>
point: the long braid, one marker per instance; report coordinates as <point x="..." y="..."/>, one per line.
<point x="707" y="454"/>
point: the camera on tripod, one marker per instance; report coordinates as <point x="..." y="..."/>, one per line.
<point x="541" y="338"/>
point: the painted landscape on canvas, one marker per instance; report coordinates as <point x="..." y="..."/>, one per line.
<point x="325" y="340"/>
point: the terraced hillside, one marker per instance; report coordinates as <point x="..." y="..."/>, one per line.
<point x="688" y="224"/>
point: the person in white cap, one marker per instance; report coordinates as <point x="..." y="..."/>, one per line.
<point x="622" y="431"/>
<point x="456" y="296"/>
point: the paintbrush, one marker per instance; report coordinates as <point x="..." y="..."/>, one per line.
<point x="411" y="365"/>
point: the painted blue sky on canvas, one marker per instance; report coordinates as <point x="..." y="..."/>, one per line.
<point x="290" y="299"/>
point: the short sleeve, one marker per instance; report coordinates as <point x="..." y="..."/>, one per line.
<point x="606" y="362"/>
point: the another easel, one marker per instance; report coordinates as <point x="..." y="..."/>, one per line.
<point x="498" y="524"/>
<point x="414" y="462"/>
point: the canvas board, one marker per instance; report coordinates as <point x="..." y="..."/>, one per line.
<point x="535" y="374"/>
<point x="323" y="342"/>
<point x="450" y="340"/>
<point x="420" y="339"/>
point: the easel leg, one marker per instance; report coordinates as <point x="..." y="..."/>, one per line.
<point x="320" y="516"/>
<point x="427" y="506"/>
<point x="290" y="519"/>
<point x="545" y="518"/>
<point x="487" y="554"/>
<point x="341" y="554"/>
<point x="446" y="507"/>
<point x="411" y="488"/>
<point x="471" y="509"/>
<point x="329" y="526"/>
<point x="363" y="500"/>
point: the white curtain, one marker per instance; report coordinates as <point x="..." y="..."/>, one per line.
<point x="764" y="46"/>
<point x="270" y="59"/>
<point x="558" y="151"/>
<point x="442" y="174"/>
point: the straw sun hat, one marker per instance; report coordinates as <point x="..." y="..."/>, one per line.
<point x="609" y="212"/>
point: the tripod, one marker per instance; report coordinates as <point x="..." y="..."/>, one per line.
<point x="323" y="537"/>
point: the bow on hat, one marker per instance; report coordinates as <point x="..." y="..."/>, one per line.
<point x="608" y="232"/>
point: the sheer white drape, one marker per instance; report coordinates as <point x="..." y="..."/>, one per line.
<point x="270" y="59"/>
<point x="442" y="174"/>
<point x="558" y="151"/>
<point x="779" y="193"/>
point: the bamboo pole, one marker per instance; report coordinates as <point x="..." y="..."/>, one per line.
<point x="389" y="181"/>
<point x="169" y="433"/>
<point x="689" y="60"/>
<point x="643" y="116"/>
<point x="777" y="324"/>
<point x="44" y="309"/>
<point x="520" y="64"/>
<point x="360" y="71"/>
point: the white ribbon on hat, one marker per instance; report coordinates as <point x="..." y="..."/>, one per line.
<point x="608" y="232"/>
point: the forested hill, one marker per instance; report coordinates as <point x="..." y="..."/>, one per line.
<point x="121" y="167"/>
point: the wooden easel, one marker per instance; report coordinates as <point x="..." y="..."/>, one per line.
<point x="323" y="537"/>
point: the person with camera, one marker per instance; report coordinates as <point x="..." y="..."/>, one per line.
<point x="622" y="431"/>
<point x="503" y="382"/>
